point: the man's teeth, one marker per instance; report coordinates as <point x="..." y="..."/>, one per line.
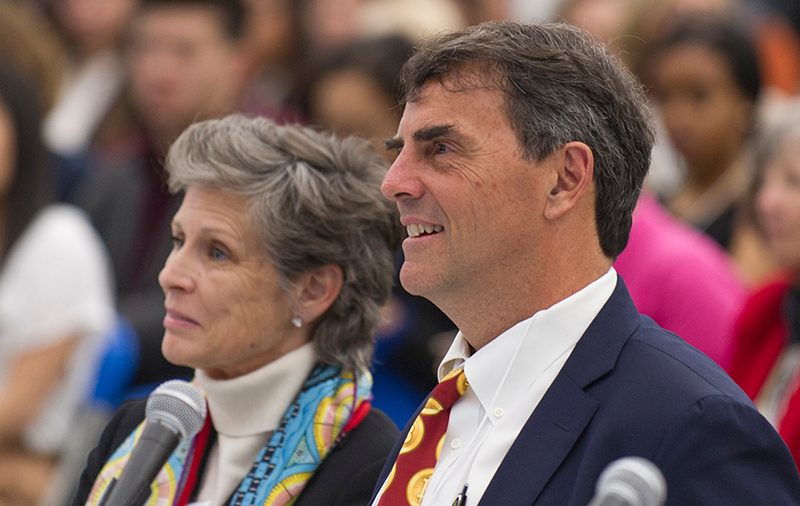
<point x="417" y="230"/>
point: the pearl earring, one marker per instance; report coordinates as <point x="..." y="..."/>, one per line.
<point x="297" y="321"/>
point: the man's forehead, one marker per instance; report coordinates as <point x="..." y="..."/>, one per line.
<point x="437" y="105"/>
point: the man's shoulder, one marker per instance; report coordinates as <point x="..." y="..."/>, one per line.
<point x="627" y="351"/>
<point x="663" y="361"/>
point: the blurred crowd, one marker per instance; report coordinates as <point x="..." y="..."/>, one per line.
<point x="93" y="92"/>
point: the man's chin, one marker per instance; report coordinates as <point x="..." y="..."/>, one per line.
<point x="414" y="281"/>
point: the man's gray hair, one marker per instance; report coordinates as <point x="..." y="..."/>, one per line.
<point x="315" y="200"/>
<point x="560" y="85"/>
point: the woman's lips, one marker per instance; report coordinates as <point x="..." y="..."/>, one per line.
<point x="176" y="319"/>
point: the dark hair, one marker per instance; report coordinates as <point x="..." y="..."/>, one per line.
<point x="560" y="85"/>
<point x="29" y="190"/>
<point x="724" y="35"/>
<point x="231" y="12"/>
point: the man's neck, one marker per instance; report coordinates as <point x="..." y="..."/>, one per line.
<point x="497" y="309"/>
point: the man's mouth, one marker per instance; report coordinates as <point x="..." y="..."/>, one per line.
<point x="416" y="230"/>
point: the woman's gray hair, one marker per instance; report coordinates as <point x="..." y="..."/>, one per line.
<point x="316" y="201"/>
<point x="775" y="130"/>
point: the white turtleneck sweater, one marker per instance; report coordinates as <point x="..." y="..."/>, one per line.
<point x="245" y="411"/>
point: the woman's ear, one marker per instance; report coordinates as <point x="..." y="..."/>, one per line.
<point x="575" y="171"/>
<point x="316" y="290"/>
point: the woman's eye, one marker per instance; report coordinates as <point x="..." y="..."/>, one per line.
<point x="177" y="242"/>
<point x="218" y="254"/>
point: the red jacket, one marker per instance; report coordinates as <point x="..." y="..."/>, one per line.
<point x="761" y="335"/>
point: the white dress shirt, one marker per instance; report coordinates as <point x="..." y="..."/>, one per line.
<point x="245" y="411"/>
<point x="508" y="377"/>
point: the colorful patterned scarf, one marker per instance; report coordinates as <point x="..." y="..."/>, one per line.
<point x="331" y="402"/>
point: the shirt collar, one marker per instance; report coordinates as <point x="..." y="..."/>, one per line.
<point x="529" y="347"/>
<point x="256" y="402"/>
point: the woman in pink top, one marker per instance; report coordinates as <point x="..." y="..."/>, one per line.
<point x="682" y="279"/>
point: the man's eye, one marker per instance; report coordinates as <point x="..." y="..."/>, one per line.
<point x="440" y="148"/>
<point x="218" y="254"/>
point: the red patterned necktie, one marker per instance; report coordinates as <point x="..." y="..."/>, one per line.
<point x="412" y="470"/>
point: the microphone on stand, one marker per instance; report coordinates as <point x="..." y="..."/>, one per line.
<point x="175" y="411"/>
<point x="630" y="481"/>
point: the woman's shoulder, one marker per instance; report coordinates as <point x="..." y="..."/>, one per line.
<point x="62" y="225"/>
<point x="60" y="263"/>
<point x="60" y="235"/>
<point x="376" y="427"/>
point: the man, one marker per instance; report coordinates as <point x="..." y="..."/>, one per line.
<point x="521" y="153"/>
<point x="185" y="64"/>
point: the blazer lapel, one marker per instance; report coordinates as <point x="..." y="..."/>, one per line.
<point x="566" y="409"/>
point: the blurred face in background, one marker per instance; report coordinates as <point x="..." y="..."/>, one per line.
<point x="269" y="32"/>
<point x="350" y="102"/>
<point x="605" y="19"/>
<point x="707" y="115"/>
<point x="778" y="204"/>
<point x="94" y="25"/>
<point x="184" y="67"/>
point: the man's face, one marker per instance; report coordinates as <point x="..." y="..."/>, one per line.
<point x="183" y="67"/>
<point x="473" y="206"/>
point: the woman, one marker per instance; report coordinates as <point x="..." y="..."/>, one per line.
<point x="705" y="79"/>
<point x="56" y="305"/>
<point x="767" y="356"/>
<point x="283" y="256"/>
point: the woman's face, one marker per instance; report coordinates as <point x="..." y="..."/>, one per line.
<point x="705" y="112"/>
<point x="778" y="204"/>
<point x="226" y="311"/>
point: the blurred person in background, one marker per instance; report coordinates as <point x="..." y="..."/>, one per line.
<point x="56" y="302"/>
<point x="271" y="53"/>
<point x="705" y="80"/>
<point x="354" y="91"/>
<point x="185" y="64"/>
<point x="767" y="356"/>
<point x="92" y="109"/>
<point x="32" y="43"/>
<point x="282" y="258"/>
<point x="774" y="38"/>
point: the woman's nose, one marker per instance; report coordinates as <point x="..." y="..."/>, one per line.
<point x="175" y="273"/>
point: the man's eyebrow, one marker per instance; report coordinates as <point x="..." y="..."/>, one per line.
<point x="424" y="134"/>
<point x="393" y="144"/>
<point x="430" y="133"/>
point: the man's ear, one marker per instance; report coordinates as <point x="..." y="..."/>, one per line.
<point x="316" y="290"/>
<point x="575" y="171"/>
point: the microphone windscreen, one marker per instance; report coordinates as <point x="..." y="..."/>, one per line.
<point x="636" y="479"/>
<point x="178" y="405"/>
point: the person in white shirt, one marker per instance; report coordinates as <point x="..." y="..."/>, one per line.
<point x="520" y="157"/>
<point x="56" y="304"/>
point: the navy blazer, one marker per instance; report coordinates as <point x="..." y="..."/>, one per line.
<point x="632" y="388"/>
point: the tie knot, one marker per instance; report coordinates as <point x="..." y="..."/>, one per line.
<point x="447" y="392"/>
